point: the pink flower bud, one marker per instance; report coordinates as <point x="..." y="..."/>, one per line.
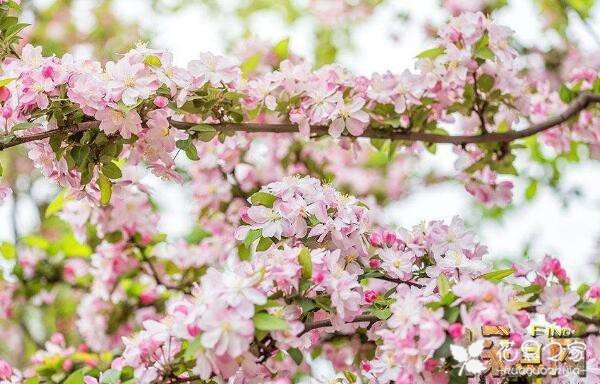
<point x="561" y="321"/>
<point x="431" y="364"/>
<point x="57" y="339"/>
<point x="244" y="215"/>
<point x="516" y="338"/>
<point x="366" y="365"/>
<point x="148" y="297"/>
<point x="375" y="239"/>
<point x="161" y="101"/>
<point x="370" y="296"/>
<point x="594" y="291"/>
<point x="47" y="71"/>
<point x="4" y="94"/>
<point x="318" y="277"/>
<point x="455" y="331"/>
<point x="374" y="263"/>
<point x="519" y="270"/>
<point x="67" y="365"/>
<point x="7" y="111"/>
<point x="389" y="238"/>
<point x="5" y="370"/>
<point x="193" y="329"/>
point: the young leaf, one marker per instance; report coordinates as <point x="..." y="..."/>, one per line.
<point x="499" y="275"/>
<point x="443" y="285"/>
<point x="485" y="83"/>
<point x="152" y="61"/>
<point x="263" y="198"/>
<point x="75" y="377"/>
<point x="305" y="262"/>
<point x="192" y="350"/>
<point x="431" y="53"/>
<point x="566" y="95"/>
<point x="112" y="171"/>
<point x="281" y="49"/>
<point x="296" y="355"/>
<point x="267" y="322"/>
<point x="105" y="186"/>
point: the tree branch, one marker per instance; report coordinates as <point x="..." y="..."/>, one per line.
<point x="579" y="104"/>
<point x="327" y="323"/>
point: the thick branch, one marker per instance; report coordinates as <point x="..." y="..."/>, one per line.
<point x="579" y="104"/>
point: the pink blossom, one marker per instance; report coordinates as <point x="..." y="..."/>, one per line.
<point x="113" y="121"/>
<point x="225" y="331"/>
<point x="350" y="117"/>
<point x="556" y="303"/>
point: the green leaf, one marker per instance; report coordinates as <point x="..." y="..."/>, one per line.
<point x="105" y="186"/>
<point x="127" y="373"/>
<point x="267" y="322"/>
<point x="152" y="61"/>
<point x="485" y="82"/>
<point x="350" y="376"/>
<point x="431" y="53"/>
<point x="8" y="250"/>
<point x="281" y="49"/>
<point x="111" y="376"/>
<point x="263" y="244"/>
<point x="22" y="126"/>
<point x="204" y="132"/>
<point x="5" y="82"/>
<point x="1" y="170"/>
<point x="485" y="53"/>
<point x="381" y="314"/>
<point x="531" y="190"/>
<point x="305" y="262"/>
<point x="252" y="236"/>
<point x="566" y="95"/>
<point x="497" y="276"/>
<point x="56" y="205"/>
<point x="263" y="198"/>
<point x="296" y="355"/>
<point x="443" y="285"/>
<point x="75" y="377"/>
<point x="193" y="348"/>
<point x="112" y="171"/>
<point x="250" y="64"/>
<point x="189" y="148"/>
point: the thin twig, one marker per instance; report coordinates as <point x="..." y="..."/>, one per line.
<point x="327" y="323"/>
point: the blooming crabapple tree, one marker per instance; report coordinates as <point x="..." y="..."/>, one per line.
<point x="290" y="276"/>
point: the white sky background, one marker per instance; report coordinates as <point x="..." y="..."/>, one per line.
<point x="569" y="233"/>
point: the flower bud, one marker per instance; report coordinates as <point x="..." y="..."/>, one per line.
<point x="455" y="331"/>
<point x="370" y="296"/>
<point x="4" y="94"/>
<point x="161" y="101"/>
<point x="375" y="239"/>
<point x="47" y="71"/>
<point x="5" y="370"/>
<point x="374" y="263"/>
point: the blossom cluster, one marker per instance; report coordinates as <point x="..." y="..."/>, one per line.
<point x="310" y="265"/>
<point x="471" y="72"/>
